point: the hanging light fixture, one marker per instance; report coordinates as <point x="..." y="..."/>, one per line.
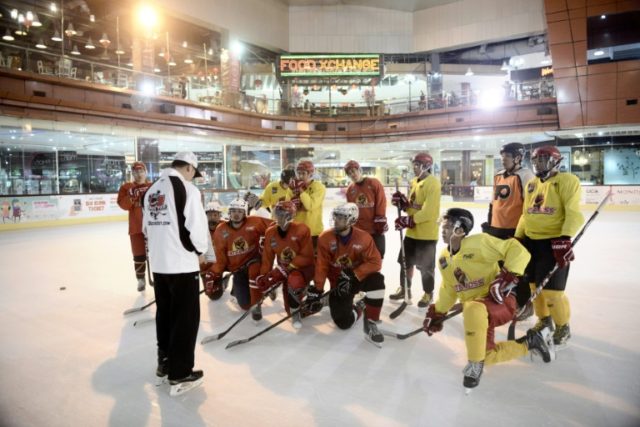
<point x="8" y="36"/>
<point x="89" y="44"/>
<point x="104" y="40"/>
<point x="505" y="66"/>
<point x="56" y="36"/>
<point x="161" y="53"/>
<point x="70" y="31"/>
<point x="35" y="21"/>
<point x="119" y="50"/>
<point x="14" y="14"/>
<point x="75" y="50"/>
<point x="171" y="62"/>
<point x="40" y="44"/>
<point x="188" y="60"/>
<point x="469" y="72"/>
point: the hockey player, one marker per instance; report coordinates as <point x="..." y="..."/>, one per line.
<point x="176" y="227"/>
<point x="368" y="194"/>
<point x="348" y="257"/>
<point x="470" y="271"/>
<point x="422" y="208"/>
<point x="550" y="218"/>
<point x="214" y="217"/>
<point x="505" y="208"/>
<point x="277" y="191"/>
<point x="289" y="243"/>
<point x="129" y="198"/>
<point x="308" y="196"/>
<point x="237" y="248"/>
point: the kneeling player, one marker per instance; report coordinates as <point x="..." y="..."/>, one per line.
<point x="289" y="243"/>
<point x="471" y="273"/>
<point x="348" y="257"/>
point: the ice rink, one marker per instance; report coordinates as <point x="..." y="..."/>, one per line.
<point x="70" y="358"/>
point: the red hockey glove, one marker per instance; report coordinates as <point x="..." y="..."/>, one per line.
<point x="400" y="200"/>
<point x="562" y="251"/>
<point x="135" y="193"/>
<point x="213" y="285"/>
<point x="404" y="222"/>
<point x="432" y="321"/>
<point x="298" y="186"/>
<point x="275" y="277"/>
<point x="380" y="225"/>
<point x="296" y="201"/>
<point x="502" y="286"/>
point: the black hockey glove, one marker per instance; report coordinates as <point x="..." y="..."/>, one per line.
<point x="347" y="283"/>
<point x="313" y="302"/>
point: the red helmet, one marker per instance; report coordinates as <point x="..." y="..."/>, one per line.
<point x="305" y="165"/>
<point x="351" y="164"/>
<point x="286" y="206"/>
<point x="544" y="168"/>
<point x="424" y="159"/>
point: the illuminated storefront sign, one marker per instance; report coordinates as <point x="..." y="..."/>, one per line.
<point x="290" y="66"/>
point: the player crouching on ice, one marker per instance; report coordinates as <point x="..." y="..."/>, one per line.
<point x="289" y="243"/>
<point x="348" y="257"/>
<point x="470" y="273"/>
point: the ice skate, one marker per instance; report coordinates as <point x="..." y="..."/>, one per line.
<point x="372" y="334"/>
<point x="256" y="313"/>
<point x="472" y="373"/>
<point x="538" y="344"/>
<point x="141" y="285"/>
<point x="273" y="295"/>
<point x="162" y="371"/>
<point x="296" y="320"/>
<point x="185" y="384"/>
<point x="561" y="336"/>
<point x="545" y="322"/>
<point x="527" y="312"/>
<point x="425" y="300"/>
<point x="399" y="295"/>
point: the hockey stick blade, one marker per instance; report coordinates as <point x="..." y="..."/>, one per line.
<point x="398" y="311"/>
<point x="511" y="333"/>
<point x="137" y="309"/>
<point x="456" y="309"/>
<point x="143" y="321"/>
<point x="244" y="315"/>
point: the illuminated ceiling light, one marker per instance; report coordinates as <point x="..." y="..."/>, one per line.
<point x="546" y="61"/>
<point x="161" y="53"/>
<point x="104" y="40"/>
<point x="75" y="50"/>
<point x="89" y="44"/>
<point x="41" y="45"/>
<point x="147" y="16"/>
<point x="119" y="51"/>
<point x="188" y="60"/>
<point x="14" y="13"/>
<point x="237" y="48"/>
<point x="469" y="72"/>
<point x="598" y="53"/>
<point x="56" y="36"/>
<point x="185" y="44"/>
<point x="53" y="8"/>
<point x="20" y="32"/>
<point x="35" y="21"/>
<point x="603" y="16"/>
<point x="171" y="63"/>
<point x="92" y="18"/>
<point x="210" y="51"/>
<point x="70" y="31"/>
<point x="505" y="66"/>
<point x="8" y="36"/>
<point x="156" y="70"/>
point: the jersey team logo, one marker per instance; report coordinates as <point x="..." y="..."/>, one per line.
<point x="502" y="192"/>
<point x="344" y="261"/>
<point x="157" y="204"/>
<point x="287" y="255"/>
<point x="239" y="246"/>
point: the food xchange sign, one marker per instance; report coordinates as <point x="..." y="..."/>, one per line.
<point x="291" y="66"/>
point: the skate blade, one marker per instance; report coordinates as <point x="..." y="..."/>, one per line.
<point x="467" y="391"/>
<point x="161" y="380"/>
<point x="178" y="389"/>
<point x="377" y="344"/>
<point x="296" y="325"/>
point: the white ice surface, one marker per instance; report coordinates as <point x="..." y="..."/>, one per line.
<point x="70" y="358"/>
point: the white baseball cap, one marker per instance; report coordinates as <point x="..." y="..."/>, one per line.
<point x="189" y="157"/>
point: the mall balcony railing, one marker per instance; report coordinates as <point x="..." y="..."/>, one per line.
<point x="204" y="90"/>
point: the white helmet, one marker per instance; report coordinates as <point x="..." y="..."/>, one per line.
<point x="239" y="204"/>
<point x="213" y="206"/>
<point x="348" y="210"/>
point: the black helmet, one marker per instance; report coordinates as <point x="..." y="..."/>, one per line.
<point x="515" y="149"/>
<point x="460" y="217"/>
<point x="287" y="175"/>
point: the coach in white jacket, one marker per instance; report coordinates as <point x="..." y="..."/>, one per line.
<point x="177" y="233"/>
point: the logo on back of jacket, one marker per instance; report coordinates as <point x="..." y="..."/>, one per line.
<point x="157" y="205"/>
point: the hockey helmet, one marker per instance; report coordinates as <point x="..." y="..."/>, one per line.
<point x="424" y="159"/>
<point x="239" y="204"/>
<point x="286" y="207"/>
<point x="459" y="218"/>
<point x="351" y="164"/>
<point x="347" y="210"/>
<point x="515" y="149"/>
<point x="287" y="174"/>
<point x="213" y="206"/>
<point x="545" y="160"/>
<point x="305" y="165"/>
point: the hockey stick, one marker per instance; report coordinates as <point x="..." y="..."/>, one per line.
<point x="455" y="310"/>
<point x="512" y="327"/>
<point x="128" y="311"/>
<point x="244" y="315"/>
<point x="403" y="265"/>
<point x="273" y="325"/>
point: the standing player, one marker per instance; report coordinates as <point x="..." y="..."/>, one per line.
<point x="348" y="257"/>
<point x="506" y="207"/>
<point x="471" y="273"/>
<point x="550" y="218"/>
<point x="422" y="208"/>
<point x="129" y="198"/>
<point x="308" y="196"/>
<point x="289" y="243"/>
<point x="237" y="248"/>
<point x="368" y="194"/>
<point x="176" y="227"/>
<point x="277" y="191"/>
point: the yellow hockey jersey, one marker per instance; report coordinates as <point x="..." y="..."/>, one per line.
<point x="273" y="193"/>
<point x="424" y="206"/>
<point x="310" y="210"/>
